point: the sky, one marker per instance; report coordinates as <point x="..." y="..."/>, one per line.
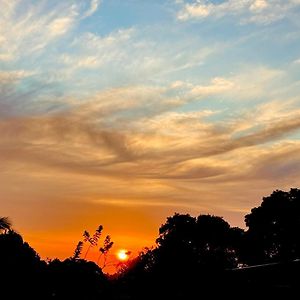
<point x="123" y="112"/>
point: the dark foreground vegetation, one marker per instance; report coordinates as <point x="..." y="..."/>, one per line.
<point x="194" y="257"/>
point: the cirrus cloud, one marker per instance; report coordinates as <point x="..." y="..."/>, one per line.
<point x="247" y="11"/>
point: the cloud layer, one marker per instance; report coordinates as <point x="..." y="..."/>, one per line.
<point x="130" y="123"/>
<point x="248" y="11"/>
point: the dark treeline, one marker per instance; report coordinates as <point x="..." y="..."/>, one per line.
<point x="193" y="257"/>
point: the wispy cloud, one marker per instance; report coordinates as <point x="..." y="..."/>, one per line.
<point x="248" y="11"/>
<point x="94" y="4"/>
<point x="249" y="83"/>
<point x="60" y="26"/>
<point x="31" y="31"/>
<point x="218" y="85"/>
<point x="115" y="135"/>
<point x="7" y="77"/>
<point x="94" y="51"/>
<point x="23" y="32"/>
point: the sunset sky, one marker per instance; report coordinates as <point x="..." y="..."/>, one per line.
<point x="122" y="112"/>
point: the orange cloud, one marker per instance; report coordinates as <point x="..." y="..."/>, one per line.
<point x="97" y="163"/>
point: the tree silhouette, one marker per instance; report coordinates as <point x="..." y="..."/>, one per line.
<point x="190" y="243"/>
<point x="5" y="224"/>
<point x="192" y="254"/>
<point x="217" y="242"/>
<point x="274" y="228"/>
<point x="21" y="268"/>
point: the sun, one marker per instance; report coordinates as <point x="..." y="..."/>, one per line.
<point x="123" y="254"/>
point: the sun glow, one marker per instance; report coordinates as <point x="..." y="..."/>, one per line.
<point x="123" y="254"/>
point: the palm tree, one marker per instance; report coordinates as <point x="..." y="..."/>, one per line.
<point x="5" y="224"/>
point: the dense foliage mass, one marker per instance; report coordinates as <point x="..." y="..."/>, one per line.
<point x="193" y="256"/>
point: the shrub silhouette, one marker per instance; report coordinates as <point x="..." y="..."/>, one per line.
<point x="22" y="267"/>
<point x="75" y="279"/>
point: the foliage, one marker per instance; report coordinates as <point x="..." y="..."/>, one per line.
<point x="78" y="251"/>
<point x="274" y="226"/>
<point x="190" y="243"/>
<point x="93" y="241"/>
<point x="75" y="279"/>
<point x="107" y="245"/>
<point x="192" y="254"/>
<point x="20" y="266"/>
<point x="5" y="224"/>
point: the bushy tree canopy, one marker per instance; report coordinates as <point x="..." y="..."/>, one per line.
<point x="274" y="228"/>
